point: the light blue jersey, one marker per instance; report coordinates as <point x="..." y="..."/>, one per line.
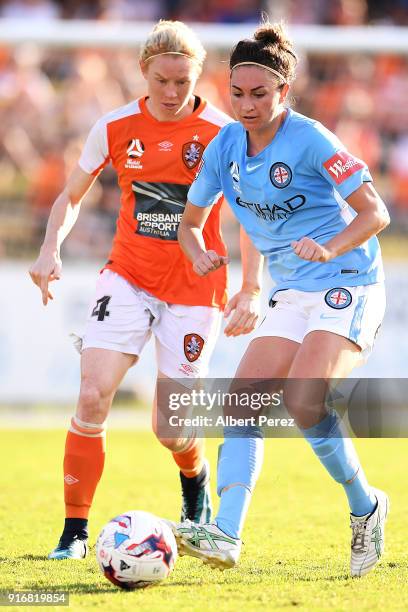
<point x="295" y="187"/>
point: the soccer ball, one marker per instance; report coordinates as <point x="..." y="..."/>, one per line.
<point x="136" y="549"/>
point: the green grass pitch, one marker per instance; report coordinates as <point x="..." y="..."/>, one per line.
<point x="296" y="550"/>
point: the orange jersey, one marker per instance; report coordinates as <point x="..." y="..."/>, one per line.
<point x="156" y="162"/>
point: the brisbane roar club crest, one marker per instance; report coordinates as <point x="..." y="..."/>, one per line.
<point x="193" y="345"/>
<point x="192" y="153"/>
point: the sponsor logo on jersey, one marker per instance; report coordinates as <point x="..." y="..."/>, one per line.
<point x="280" y="175"/>
<point x="234" y="171"/>
<point x="274" y="212"/>
<point x="159" y="208"/>
<point x="166" y="145"/>
<point x="135" y="150"/>
<point x="193" y="345"/>
<point x="338" y="298"/>
<point x="192" y="153"/>
<point x="342" y="165"/>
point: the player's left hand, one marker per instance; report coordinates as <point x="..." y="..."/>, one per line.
<point x="307" y="248"/>
<point x="245" y="306"/>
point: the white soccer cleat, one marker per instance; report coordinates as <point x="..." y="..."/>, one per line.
<point x="208" y="543"/>
<point x="367" y="540"/>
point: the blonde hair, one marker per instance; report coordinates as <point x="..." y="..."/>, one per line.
<point x="173" y="37"/>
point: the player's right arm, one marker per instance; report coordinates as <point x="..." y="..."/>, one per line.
<point x="203" y="194"/>
<point x="191" y="240"/>
<point x="63" y="215"/>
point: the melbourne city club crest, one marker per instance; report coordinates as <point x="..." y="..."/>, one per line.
<point x="338" y="298"/>
<point x="193" y="345"/>
<point x="280" y="175"/>
<point x="192" y="152"/>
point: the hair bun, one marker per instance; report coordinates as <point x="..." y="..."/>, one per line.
<point x="271" y="34"/>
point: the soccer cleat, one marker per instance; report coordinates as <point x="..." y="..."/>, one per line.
<point x="196" y="494"/>
<point x="367" y="541"/>
<point x="208" y="543"/>
<point x="74" y="548"/>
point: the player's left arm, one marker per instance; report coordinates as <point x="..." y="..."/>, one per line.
<point x="245" y="304"/>
<point x="350" y="177"/>
<point x="372" y="217"/>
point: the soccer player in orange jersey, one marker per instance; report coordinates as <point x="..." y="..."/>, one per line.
<point x="148" y="286"/>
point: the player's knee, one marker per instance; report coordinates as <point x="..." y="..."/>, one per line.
<point x="303" y="409"/>
<point x="175" y="445"/>
<point x="293" y="402"/>
<point x="92" y="405"/>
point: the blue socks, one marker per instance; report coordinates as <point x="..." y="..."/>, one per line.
<point x="240" y="461"/>
<point x="339" y="457"/>
<point x="233" y="509"/>
<point x="239" y="465"/>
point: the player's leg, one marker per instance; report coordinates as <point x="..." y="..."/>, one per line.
<point x="117" y="328"/>
<point x="240" y="461"/>
<point x="268" y="358"/>
<point x="241" y="454"/>
<point x="188" y="451"/>
<point x="185" y="340"/>
<point x="325" y="355"/>
<point x="101" y="372"/>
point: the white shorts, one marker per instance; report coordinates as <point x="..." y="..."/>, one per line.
<point x="353" y="312"/>
<point x="122" y="317"/>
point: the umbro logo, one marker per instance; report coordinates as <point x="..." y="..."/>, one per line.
<point x="70" y="480"/>
<point x="166" y="145"/>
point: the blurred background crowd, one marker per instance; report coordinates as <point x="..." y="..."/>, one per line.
<point x="49" y="99"/>
<point x="333" y="12"/>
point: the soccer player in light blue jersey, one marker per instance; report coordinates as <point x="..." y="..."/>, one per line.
<point x="310" y="208"/>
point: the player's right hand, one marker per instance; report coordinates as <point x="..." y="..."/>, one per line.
<point x="209" y="261"/>
<point x="46" y="269"/>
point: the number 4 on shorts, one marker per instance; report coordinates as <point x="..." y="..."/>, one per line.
<point x="100" y="308"/>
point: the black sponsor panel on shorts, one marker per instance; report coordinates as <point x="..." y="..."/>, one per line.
<point x="159" y="208"/>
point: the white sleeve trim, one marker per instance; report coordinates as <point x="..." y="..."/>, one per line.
<point x="215" y="116"/>
<point x="96" y="149"/>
